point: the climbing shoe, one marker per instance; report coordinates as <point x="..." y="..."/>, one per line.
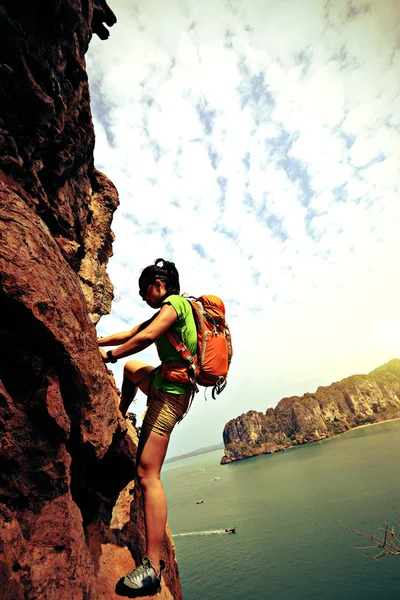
<point x="142" y="581"/>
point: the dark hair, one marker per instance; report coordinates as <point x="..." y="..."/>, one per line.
<point x="162" y="270"/>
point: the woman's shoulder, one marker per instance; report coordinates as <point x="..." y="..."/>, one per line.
<point x="180" y="303"/>
<point x="176" y="299"/>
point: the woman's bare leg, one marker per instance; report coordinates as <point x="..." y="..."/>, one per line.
<point x="151" y="454"/>
<point x="134" y="370"/>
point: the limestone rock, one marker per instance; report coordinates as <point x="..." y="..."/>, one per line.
<point x="354" y="401"/>
<point x="71" y="518"/>
<point x="97" y="247"/>
<point x="46" y="131"/>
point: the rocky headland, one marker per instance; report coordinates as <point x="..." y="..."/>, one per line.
<point x="354" y="401"/>
<point x="71" y="518"/>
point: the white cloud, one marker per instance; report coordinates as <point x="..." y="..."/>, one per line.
<point x="267" y="135"/>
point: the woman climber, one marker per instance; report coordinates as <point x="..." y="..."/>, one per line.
<point x="167" y="404"/>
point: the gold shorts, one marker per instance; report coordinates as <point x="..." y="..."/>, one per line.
<point x="165" y="410"/>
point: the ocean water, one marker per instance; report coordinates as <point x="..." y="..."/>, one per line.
<point x="287" y="508"/>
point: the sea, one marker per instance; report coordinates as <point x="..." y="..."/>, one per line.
<point x="292" y="511"/>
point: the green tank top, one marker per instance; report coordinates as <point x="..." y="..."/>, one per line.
<point x="186" y="329"/>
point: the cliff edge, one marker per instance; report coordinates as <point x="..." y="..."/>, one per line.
<point x="354" y="401"/>
<point x="71" y="520"/>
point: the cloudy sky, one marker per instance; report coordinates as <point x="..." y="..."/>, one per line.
<point x="257" y="145"/>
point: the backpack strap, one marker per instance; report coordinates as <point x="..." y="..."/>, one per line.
<point x="180" y="346"/>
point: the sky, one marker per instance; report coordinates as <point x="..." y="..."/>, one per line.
<point x="256" y="144"/>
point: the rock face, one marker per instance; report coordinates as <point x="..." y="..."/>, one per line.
<point x="46" y="131"/>
<point x="354" y="401"/>
<point x="71" y="519"/>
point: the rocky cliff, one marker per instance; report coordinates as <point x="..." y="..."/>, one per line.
<point x="71" y="519"/>
<point x="354" y="401"/>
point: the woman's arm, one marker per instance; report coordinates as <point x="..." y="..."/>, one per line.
<point x="149" y="334"/>
<point x="120" y="338"/>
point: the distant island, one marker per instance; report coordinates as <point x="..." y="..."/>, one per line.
<point x="344" y="405"/>
<point x="195" y="452"/>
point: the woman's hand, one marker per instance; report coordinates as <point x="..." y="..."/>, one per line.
<point x="103" y="355"/>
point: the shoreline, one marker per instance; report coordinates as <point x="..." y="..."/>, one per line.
<point x="371" y="424"/>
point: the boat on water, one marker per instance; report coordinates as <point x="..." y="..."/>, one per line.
<point x="199" y="501"/>
<point x="217" y="478"/>
<point x="230" y="530"/>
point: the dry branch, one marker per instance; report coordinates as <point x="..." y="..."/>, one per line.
<point x="384" y="542"/>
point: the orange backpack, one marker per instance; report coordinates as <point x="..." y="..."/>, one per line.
<point x="209" y="367"/>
